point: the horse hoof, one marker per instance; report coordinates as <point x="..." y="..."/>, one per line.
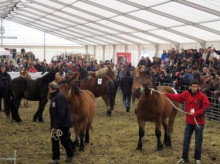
<point x="34" y="120"/>
<point x="139" y="148"/>
<point x="159" y="147"/>
<point x="18" y="120"/>
<point x="40" y="119"/>
<point x="168" y="144"/>
<point x="108" y="113"/>
<point x="81" y="149"/>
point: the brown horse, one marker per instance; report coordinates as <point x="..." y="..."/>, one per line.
<point x="100" y="86"/>
<point x="107" y="70"/>
<point x="82" y="110"/>
<point x="155" y="107"/>
<point x="25" y="74"/>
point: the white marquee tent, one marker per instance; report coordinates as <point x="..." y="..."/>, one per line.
<point x="105" y="27"/>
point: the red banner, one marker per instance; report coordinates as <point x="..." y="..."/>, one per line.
<point x="123" y="57"/>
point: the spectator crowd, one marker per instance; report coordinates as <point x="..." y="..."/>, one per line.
<point x="173" y="67"/>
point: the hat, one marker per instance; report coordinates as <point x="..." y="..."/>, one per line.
<point x="207" y="75"/>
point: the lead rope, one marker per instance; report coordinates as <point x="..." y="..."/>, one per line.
<point x="56" y="134"/>
<point x="152" y="89"/>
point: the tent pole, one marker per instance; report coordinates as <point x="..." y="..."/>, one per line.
<point x="44" y="46"/>
<point x="2" y="33"/>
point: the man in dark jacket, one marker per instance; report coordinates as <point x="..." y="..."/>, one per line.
<point x="126" y="85"/>
<point x="60" y="123"/>
<point x="5" y="78"/>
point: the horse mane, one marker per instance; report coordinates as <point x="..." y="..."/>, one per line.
<point x="76" y="89"/>
<point x="102" y="71"/>
<point x="49" y="76"/>
<point x="83" y="73"/>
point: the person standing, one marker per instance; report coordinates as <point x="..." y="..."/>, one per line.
<point x="60" y="123"/>
<point x="196" y="103"/>
<point x="5" y="79"/>
<point x="126" y="85"/>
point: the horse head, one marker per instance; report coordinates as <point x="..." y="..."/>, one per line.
<point x="83" y="73"/>
<point x="67" y="86"/>
<point x="146" y="81"/>
<point x="50" y="76"/>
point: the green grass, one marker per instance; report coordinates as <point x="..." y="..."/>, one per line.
<point x="112" y="140"/>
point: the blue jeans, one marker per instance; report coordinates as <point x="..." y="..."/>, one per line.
<point x="127" y="100"/>
<point x="198" y="140"/>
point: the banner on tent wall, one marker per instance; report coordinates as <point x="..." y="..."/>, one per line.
<point x="123" y="57"/>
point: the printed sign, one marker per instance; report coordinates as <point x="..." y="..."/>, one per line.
<point x="99" y="81"/>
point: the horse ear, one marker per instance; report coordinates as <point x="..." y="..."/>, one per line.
<point x="76" y="89"/>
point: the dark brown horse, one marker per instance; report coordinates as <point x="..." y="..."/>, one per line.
<point x="107" y="70"/>
<point x="82" y="110"/>
<point x="34" y="90"/>
<point x="155" y="107"/>
<point x="100" y="86"/>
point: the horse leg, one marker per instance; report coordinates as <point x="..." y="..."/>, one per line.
<point x="87" y="132"/>
<point x="14" y="108"/>
<point x="111" y="98"/>
<point x="82" y="135"/>
<point x="76" y="142"/>
<point x="106" y="100"/>
<point x="158" y="134"/>
<point x="25" y="103"/>
<point x="170" y="127"/>
<point x="141" y="124"/>
<point x="39" y="113"/>
<point x="164" y="123"/>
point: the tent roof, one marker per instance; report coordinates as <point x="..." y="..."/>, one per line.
<point x="98" y="22"/>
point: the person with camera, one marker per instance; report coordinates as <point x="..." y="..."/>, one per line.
<point x="5" y="79"/>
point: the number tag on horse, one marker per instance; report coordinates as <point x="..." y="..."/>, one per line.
<point x="99" y="81"/>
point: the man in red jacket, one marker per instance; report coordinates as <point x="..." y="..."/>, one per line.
<point x="195" y="103"/>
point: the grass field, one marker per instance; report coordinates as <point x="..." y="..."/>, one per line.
<point x="113" y="140"/>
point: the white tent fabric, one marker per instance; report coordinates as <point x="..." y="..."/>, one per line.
<point x="119" y="22"/>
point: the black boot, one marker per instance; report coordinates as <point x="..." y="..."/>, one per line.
<point x="128" y="109"/>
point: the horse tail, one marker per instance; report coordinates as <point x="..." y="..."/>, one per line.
<point x="8" y="101"/>
<point x="111" y="94"/>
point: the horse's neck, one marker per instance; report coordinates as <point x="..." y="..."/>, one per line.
<point x="151" y="95"/>
<point x="73" y="99"/>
